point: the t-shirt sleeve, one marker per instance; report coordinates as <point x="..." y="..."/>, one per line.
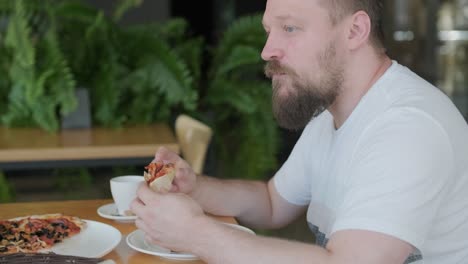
<point x="291" y="180"/>
<point x="398" y="177"/>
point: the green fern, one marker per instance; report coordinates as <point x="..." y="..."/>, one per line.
<point x="135" y="74"/>
<point x="244" y="32"/>
<point x="61" y="83"/>
<point x="74" y="12"/>
<point x="138" y="74"/>
<point x="173" y="77"/>
<point x="164" y="77"/>
<point x="41" y="82"/>
<point x="160" y="84"/>
<point x="191" y="52"/>
<point x="123" y="6"/>
<point x="22" y="72"/>
<point x="105" y="97"/>
<point x="230" y="96"/>
<point x="241" y="99"/>
<point x="173" y="31"/>
<point x="240" y="56"/>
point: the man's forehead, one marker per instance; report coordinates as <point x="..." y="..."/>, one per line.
<point x="299" y="4"/>
<point x="278" y="10"/>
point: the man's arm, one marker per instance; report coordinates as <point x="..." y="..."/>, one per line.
<point x="220" y="244"/>
<point x="168" y="218"/>
<point x="254" y="203"/>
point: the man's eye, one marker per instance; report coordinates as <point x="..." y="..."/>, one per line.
<point x="289" y="28"/>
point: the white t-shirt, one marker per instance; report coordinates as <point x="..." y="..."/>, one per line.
<point x="398" y="165"/>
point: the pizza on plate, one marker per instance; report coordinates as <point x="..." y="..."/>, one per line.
<point x="159" y="176"/>
<point x="37" y="233"/>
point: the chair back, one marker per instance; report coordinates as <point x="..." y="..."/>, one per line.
<point x="193" y="137"/>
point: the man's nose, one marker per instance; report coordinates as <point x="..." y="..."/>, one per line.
<point x="272" y="50"/>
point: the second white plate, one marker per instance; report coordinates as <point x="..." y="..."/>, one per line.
<point x="136" y="240"/>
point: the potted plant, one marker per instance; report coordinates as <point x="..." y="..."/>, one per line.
<point x="138" y="74"/>
<point x="134" y="74"/>
<point x="34" y="89"/>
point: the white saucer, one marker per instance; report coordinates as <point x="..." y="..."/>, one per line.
<point x="109" y="211"/>
<point x="137" y="241"/>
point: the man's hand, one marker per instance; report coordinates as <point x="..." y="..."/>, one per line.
<point x="166" y="218"/>
<point x="185" y="178"/>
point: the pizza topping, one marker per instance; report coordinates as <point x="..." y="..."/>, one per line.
<point x="158" y="169"/>
<point x="36" y="233"/>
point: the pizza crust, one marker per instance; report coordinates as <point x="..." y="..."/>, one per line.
<point x="77" y="221"/>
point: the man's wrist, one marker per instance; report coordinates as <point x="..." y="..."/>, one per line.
<point x="195" y="192"/>
<point x="200" y="237"/>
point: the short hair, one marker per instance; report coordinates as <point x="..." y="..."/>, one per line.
<point x="338" y="9"/>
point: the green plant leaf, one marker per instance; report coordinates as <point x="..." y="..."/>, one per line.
<point x="21" y="71"/>
<point x="245" y="31"/>
<point x="17" y="36"/>
<point x="45" y="114"/>
<point x="74" y="11"/>
<point x="239" y="57"/>
<point x="191" y="52"/>
<point x="240" y="96"/>
<point x="41" y="82"/>
<point x="171" y="75"/>
<point x="226" y="93"/>
<point x="123" y="6"/>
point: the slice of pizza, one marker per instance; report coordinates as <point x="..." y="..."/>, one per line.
<point x="37" y="233"/>
<point x="159" y="176"/>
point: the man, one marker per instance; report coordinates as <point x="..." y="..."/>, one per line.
<point x="381" y="166"/>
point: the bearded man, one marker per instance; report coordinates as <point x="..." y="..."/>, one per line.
<point x="381" y="166"/>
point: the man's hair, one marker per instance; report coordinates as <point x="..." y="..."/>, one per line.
<point x="340" y="8"/>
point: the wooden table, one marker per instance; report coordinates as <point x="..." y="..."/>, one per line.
<point x="86" y="209"/>
<point x="20" y="147"/>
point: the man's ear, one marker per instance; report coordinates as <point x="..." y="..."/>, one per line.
<point x="359" y="30"/>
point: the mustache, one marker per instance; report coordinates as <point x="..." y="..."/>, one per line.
<point x="275" y="67"/>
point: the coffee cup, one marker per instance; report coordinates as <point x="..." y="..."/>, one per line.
<point x="123" y="189"/>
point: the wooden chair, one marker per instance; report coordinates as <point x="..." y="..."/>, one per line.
<point x="193" y="137"/>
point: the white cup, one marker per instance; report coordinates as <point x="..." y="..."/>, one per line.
<point x="123" y="189"/>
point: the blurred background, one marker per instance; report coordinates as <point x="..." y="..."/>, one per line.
<point x="140" y="62"/>
<point x="431" y="37"/>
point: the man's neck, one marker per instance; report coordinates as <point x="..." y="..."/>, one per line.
<point x="359" y="78"/>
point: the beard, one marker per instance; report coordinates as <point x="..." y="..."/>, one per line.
<point x="306" y="99"/>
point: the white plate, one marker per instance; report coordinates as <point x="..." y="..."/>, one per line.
<point x="94" y="241"/>
<point x="136" y="240"/>
<point x="109" y="211"/>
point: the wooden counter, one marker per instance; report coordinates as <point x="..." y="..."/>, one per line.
<point x="36" y="145"/>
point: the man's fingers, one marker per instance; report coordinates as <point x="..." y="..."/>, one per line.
<point x="137" y="206"/>
<point x="145" y="194"/>
<point x="165" y="155"/>
<point x="151" y="240"/>
<point x="140" y="224"/>
<point x="174" y="188"/>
